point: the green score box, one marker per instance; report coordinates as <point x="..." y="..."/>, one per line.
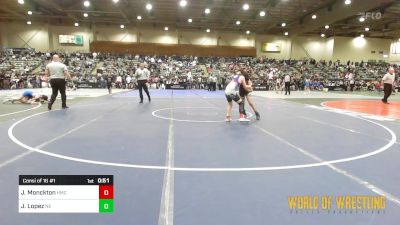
<point x="106" y="205"/>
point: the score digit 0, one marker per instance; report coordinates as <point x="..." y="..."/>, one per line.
<point x="106" y="192"/>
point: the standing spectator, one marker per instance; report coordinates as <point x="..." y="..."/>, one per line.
<point x="388" y="81"/>
<point x="395" y="86"/>
<point x="214" y="83"/>
<point x="209" y="83"/>
<point x="2" y="78"/>
<point x="119" y="81"/>
<point x="57" y="72"/>
<point x="351" y="81"/>
<point x="39" y="81"/>
<point x="307" y="84"/>
<point x="287" y="80"/>
<point x="189" y="79"/>
<point x="109" y="81"/>
<point x="128" y="82"/>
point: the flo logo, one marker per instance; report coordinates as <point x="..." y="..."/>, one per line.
<point x="371" y="15"/>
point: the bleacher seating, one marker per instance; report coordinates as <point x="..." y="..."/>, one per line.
<point x="90" y="70"/>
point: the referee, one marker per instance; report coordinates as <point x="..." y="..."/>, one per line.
<point x="57" y="72"/>
<point x="142" y="74"/>
<point x="388" y="81"/>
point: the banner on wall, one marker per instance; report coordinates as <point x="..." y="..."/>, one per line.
<point x="83" y="84"/>
<point x="176" y="86"/>
<point x="271" y="47"/>
<point x="260" y="88"/>
<point x="71" y="39"/>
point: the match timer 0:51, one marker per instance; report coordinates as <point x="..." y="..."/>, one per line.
<point x="66" y="193"/>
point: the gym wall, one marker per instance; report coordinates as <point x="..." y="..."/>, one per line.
<point x="44" y="37"/>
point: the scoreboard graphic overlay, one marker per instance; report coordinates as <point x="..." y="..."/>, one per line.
<point x="66" y="194"/>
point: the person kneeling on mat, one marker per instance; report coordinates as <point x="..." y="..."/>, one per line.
<point x="232" y="94"/>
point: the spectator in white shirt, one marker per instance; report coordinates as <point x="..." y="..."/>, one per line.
<point x="351" y="81"/>
<point x="128" y="81"/>
<point x="287" y="80"/>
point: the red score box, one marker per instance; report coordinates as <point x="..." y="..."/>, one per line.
<point x="106" y="192"/>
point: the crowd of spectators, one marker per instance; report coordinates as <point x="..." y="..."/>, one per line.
<point x="16" y="71"/>
<point x="90" y="70"/>
<point x="361" y="76"/>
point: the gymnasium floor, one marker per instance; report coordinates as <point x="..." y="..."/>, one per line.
<point x="175" y="160"/>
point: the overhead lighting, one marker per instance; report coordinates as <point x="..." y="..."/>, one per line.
<point x="139" y="17"/>
<point x="367" y="29"/>
<point x="122" y="26"/>
<point x="21" y="2"/>
<point x="208" y="30"/>
<point x="385" y="56"/>
<point x="86" y="3"/>
<point x="183" y="3"/>
<point x="246" y="6"/>
<point x="362" y="36"/>
<point x="362" y="19"/>
<point x="238" y="22"/>
<point x="347" y="2"/>
<point x="248" y="32"/>
<point x="29" y="12"/>
<point x="149" y="6"/>
<point x="207" y="11"/>
<point x="283" y="24"/>
<point x="190" y="20"/>
<point x="286" y="33"/>
<point x="314" y="17"/>
<point x="115" y="1"/>
<point x="166" y="28"/>
<point x="327" y="27"/>
<point x="76" y="24"/>
<point x="262" y="13"/>
<point x="28" y="22"/>
<point x="322" y="35"/>
<point x="85" y="15"/>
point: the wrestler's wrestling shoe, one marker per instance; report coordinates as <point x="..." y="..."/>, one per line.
<point x="243" y="118"/>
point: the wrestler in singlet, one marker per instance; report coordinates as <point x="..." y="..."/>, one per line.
<point x="232" y="90"/>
